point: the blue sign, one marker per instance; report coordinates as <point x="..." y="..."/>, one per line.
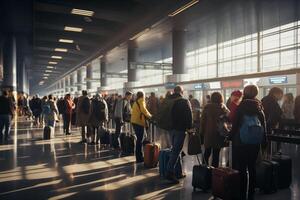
<point x="170" y="85"/>
<point x="198" y="86"/>
<point x="278" y="80"/>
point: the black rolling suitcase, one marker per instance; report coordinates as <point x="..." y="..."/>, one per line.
<point x="284" y="171"/>
<point x="127" y="143"/>
<point x="47" y="133"/>
<point x="202" y="176"/>
<point x="267" y="176"/>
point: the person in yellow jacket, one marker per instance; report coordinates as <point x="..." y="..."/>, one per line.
<point x="139" y="114"/>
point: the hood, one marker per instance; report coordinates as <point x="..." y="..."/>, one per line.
<point x="251" y="106"/>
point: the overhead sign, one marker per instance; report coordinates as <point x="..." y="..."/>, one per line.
<point x="198" y="86"/>
<point x="170" y="85"/>
<point x="232" y="84"/>
<point x="214" y="85"/>
<point x="278" y="80"/>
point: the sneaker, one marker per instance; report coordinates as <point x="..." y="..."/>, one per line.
<point x="172" y="178"/>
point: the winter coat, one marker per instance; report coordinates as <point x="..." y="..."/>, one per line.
<point x="118" y="109"/>
<point x="152" y="105"/>
<point x="182" y="118"/>
<point x="82" y="117"/>
<point x="93" y="120"/>
<point x="247" y="107"/>
<point x="288" y="110"/>
<point x="139" y="113"/>
<point x="208" y="127"/>
<point x="272" y="111"/>
<point x="297" y="109"/>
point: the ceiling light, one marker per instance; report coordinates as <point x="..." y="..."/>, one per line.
<point x="49" y="71"/>
<point x="45" y="77"/>
<point x="88" y="13"/>
<point x="52" y="63"/>
<point x="50" y="67"/>
<point x="46" y="74"/>
<point x="186" y="6"/>
<point x="66" y="41"/>
<point x="61" y="50"/>
<point x="74" y="29"/>
<point x="56" y="57"/>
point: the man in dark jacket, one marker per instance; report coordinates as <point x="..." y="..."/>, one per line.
<point x="181" y="121"/>
<point x="6" y="114"/>
<point x="272" y="109"/>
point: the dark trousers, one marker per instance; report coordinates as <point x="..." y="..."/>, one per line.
<point x="94" y="133"/>
<point x="139" y="132"/>
<point x="244" y="159"/>
<point x="83" y="132"/>
<point x="118" y="131"/>
<point x="5" y="122"/>
<point x="177" y="145"/>
<point x="67" y="122"/>
<point x="215" y="156"/>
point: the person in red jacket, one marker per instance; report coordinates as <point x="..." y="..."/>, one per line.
<point x="235" y="101"/>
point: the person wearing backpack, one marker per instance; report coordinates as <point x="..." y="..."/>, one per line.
<point x="138" y="119"/>
<point x="181" y="122"/>
<point x="82" y="113"/>
<point x="212" y="114"/>
<point x="50" y="112"/>
<point x="98" y="116"/>
<point x="248" y="134"/>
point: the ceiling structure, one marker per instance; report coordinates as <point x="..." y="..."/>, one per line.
<point x="68" y="34"/>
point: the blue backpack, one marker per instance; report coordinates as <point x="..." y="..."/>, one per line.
<point x="251" y="131"/>
<point x="46" y="109"/>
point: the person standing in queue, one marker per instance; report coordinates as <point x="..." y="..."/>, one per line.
<point x="6" y="115"/>
<point x="213" y="141"/>
<point x="297" y="109"/>
<point x="272" y="110"/>
<point x="82" y="111"/>
<point x="244" y="154"/>
<point x="138" y="120"/>
<point x="68" y="113"/>
<point x="235" y="100"/>
<point x="182" y="121"/>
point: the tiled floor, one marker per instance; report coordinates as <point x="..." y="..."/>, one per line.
<point x="31" y="168"/>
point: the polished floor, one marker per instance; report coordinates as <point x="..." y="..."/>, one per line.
<point x="32" y="168"/>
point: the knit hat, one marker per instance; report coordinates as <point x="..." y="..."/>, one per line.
<point x="237" y="93"/>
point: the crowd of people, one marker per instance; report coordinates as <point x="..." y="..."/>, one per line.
<point x="188" y="115"/>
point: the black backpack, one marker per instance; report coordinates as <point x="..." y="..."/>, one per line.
<point x="99" y="109"/>
<point x="126" y="111"/>
<point x="86" y="105"/>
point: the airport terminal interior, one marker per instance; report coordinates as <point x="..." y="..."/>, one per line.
<point x="144" y="99"/>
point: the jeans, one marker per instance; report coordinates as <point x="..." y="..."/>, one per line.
<point x="177" y="145"/>
<point x="215" y="156"/>
<point x="94" y="133"/>
<point x="245" y="157"/>
<point x="139" y="132"/>
<point x="83" y="132"/>
<point x="118" y="129"/>
<point x="5" y="122"/>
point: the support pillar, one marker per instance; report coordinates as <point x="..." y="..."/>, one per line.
<point x="89" y="76"/>
<point x="178" y="51"/>
<point x="103" y="71"/>
<point x="132" y="72"/>
<point x="79" y="80"/>
<point x="9" y="64"/>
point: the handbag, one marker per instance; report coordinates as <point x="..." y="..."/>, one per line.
<point x="194" y="145"/>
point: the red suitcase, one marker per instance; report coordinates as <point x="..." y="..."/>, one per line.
<point x="151" y="154"/>
<point x="225" y="183"/>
